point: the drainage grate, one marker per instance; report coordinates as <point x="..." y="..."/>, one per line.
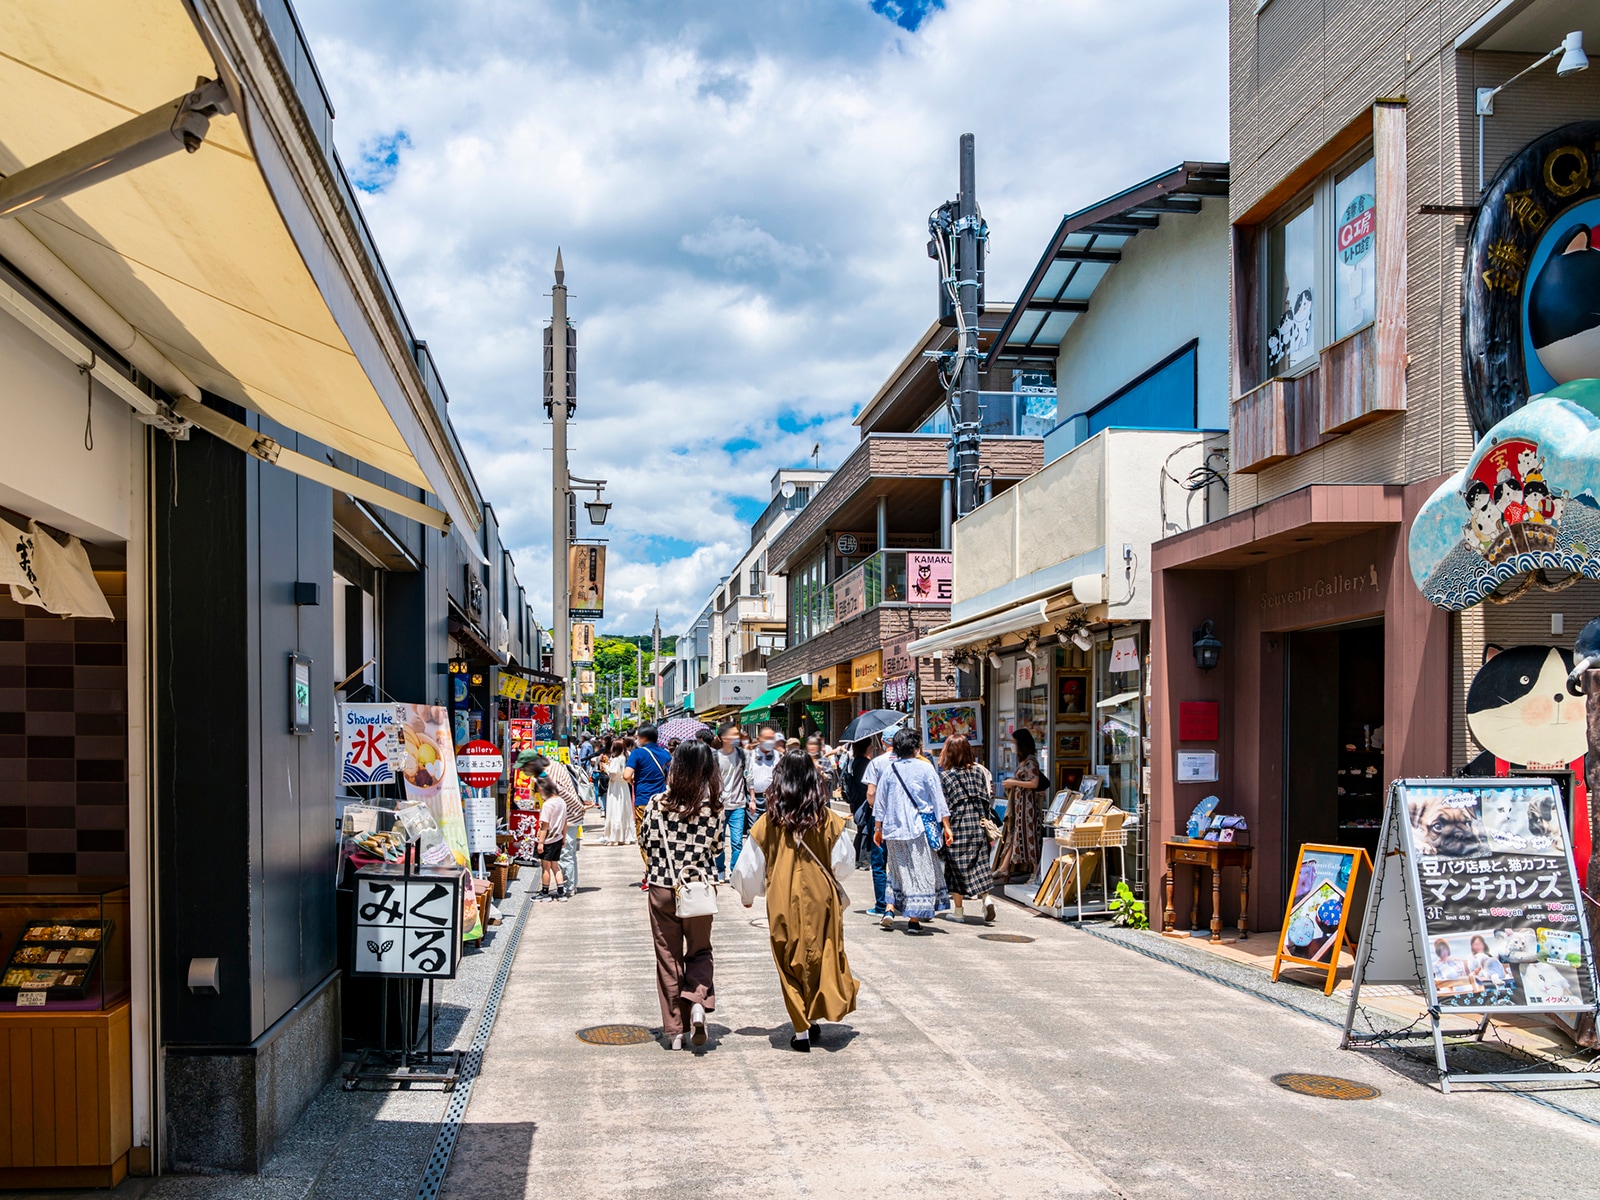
<point x="1328" y="1087"/>
<point x="450" y="1127"/>
<point x="1005" y="937"/>
<point x="616" y="1035"/>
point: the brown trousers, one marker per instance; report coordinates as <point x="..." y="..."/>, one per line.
<point x="683" y="961"/>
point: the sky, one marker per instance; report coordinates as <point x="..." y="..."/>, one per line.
<point x="740" y="191"/>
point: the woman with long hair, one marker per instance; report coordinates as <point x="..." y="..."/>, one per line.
<point x="1019" y="840"/>
<point x="619" y="799"/>
<point x="796" y="854"/>
<point x="969" y="790"/>
<point x="680" y="835"/>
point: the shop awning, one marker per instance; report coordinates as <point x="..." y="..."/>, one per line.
<point x="192" y="265"/>
<point x="980" y="629"/>
<point x="761" y="707"/>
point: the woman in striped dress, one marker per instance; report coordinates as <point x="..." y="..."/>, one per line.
<point x="969" y="791"/>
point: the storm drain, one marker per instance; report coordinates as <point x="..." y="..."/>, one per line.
<point x="616" y="1035"/>
<point x="1328" y="1087"/>
<point x="1005" y="937"/>
<point x="450" y="1128"/>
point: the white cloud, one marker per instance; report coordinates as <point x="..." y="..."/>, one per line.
<point x="740" y="192"/>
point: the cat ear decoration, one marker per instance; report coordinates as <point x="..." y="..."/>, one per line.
<point x="1490" y="651"/>
<point x="1577" y="238"/>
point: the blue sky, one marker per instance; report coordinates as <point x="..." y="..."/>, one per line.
<point x="740" y="192"/>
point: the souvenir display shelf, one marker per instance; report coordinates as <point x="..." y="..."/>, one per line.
<point x="63" y="944"/>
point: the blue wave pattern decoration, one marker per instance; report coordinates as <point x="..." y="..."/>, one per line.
<point x="354" y="775"/>
<point x="1524" y="503"/>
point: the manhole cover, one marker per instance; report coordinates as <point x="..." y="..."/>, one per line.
<point x="616" y="1035"/>
<point x="1004" y="937"/>
<point x="1329" y="1087"/>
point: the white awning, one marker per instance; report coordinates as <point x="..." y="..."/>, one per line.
<point x="194" y="251"/>
<point x="981" y="629"/>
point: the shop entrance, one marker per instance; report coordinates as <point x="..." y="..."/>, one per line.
<point x="1333" y="739"/>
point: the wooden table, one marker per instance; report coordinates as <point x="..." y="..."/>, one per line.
<point x="1216" y="857"/>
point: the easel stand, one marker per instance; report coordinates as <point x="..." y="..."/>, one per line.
<point x="1397" y="930"/>
<point x="407" y="1064"/>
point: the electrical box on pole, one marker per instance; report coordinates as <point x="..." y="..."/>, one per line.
<point x="957" y="235"/>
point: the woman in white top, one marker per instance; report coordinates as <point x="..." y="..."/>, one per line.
<point x="619" y="800"/>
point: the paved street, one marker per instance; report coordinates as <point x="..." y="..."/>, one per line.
<point x="1067" y="1066"/>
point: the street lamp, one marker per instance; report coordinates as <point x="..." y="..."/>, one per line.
<point x="598" y="508"/>
<point x="1573" y="60"/>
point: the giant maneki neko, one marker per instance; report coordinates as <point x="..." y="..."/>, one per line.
<point x="1524" y="512"/>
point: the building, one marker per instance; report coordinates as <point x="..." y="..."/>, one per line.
<point x="216" y="392"/>
<point x="749" y="609"/>
<point x="1370" y="205"/>
<point x="1052" y="590"/>
<point x="868" y="559"/>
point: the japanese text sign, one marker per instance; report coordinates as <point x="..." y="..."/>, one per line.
<point x="407" y="925"/>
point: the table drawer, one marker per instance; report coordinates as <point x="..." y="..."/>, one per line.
<point x="1180" y="855"/>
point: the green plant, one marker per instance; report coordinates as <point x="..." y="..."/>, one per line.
<point x="1126" y="909"/>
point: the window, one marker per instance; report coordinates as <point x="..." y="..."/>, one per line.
<point x="1319" y="269"/>
<point x="1355" y="267"/>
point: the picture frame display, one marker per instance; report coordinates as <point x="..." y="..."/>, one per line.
<point x="1072" y="694"/>
<point x="1072" y="743"/>
<point x="941" y="721"/>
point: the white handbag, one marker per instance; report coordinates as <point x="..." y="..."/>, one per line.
<point x="694" y="897"/>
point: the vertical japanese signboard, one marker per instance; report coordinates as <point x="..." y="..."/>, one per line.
<point x="586" y="582"/>
<point x="407" y="925"/>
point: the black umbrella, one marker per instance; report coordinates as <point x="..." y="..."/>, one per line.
<point x="871" y="724"/>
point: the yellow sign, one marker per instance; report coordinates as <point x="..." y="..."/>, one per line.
<point x="866" y="672"/>
<point x="831" y="683"/>
<point x="513" y="687"/>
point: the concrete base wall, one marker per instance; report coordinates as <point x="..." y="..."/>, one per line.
<point x="227" y="1106"/>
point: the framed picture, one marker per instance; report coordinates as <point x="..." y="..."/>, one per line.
<point x="941" y="721"/>
<point x="1069" y="775"/>
<point x="1072" y="694"/>
<point x="1072" y="743"/>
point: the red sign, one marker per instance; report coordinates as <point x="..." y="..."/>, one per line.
<point x="1197" y="720"/>
<point x="1357" y="228"/>
<point x="479" y="764"/>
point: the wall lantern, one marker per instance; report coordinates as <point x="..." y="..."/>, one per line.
<point x="1207" y="647"/>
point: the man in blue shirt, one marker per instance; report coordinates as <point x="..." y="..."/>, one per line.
<point x="646" y="769"/>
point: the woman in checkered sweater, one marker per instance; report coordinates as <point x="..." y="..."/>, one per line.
<point x="680" y="831"/>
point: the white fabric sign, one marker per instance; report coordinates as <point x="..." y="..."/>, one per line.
<point x="57" y="578"/>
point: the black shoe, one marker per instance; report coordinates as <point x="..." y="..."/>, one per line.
<point x="801" y="1044"/>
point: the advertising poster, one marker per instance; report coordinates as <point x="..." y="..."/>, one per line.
<point x="586" y="582"/>
<point x="524" y="826"/>
<point x="1317" y="911"/>
<point x="929" y="577"/>
<point x="582" y="642"/>
<point x="430" y="773"/>
<point x="369" y="743"/>
<point x="1501" y="922"/>
<point x="941" y="721"/>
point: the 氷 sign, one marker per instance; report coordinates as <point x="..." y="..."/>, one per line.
<point x="369" y="741"/>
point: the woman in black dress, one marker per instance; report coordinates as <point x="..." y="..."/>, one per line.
<point x="969" y="791"/>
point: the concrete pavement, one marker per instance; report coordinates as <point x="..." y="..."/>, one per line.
<point x="1067" y="1066"/>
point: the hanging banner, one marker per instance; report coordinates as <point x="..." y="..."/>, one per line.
<point x="369" y="743"/>
<point x="429" y="770"/>
<point x="582" y="642"/>
<point x="586" y="582"/>
<point x="930" y="577"/>
<point x="586" y="682"/>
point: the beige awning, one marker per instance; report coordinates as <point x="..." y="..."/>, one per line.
<point x="192" y="250"/>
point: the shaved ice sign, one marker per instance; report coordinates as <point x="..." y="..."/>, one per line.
<point x="369" y="743"/>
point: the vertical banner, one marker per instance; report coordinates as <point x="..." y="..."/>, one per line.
<point x="930" y="576"/>
<point x="582" y="642"/>
<point x="430" y="773"/>
<point x="586" y="582"/>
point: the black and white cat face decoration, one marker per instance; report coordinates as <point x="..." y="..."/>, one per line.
<point x="1519" y="709"/>
<point x="1564" y="308"/>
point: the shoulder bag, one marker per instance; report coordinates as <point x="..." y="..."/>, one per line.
<point x="694" y="897"/>
<point x="930" y="828"/>
<point x="991" y="827"/>
<point x="844" y="897"/>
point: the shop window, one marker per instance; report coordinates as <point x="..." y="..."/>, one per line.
<point x="1319" y="270"/>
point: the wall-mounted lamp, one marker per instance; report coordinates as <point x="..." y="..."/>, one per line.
<point x="1207" y="647"/>
<point x="994" y="659"/>
<point x="1032" y="645"/>
<point x="1573" y="60"/>
<point x="1082" y="639"/>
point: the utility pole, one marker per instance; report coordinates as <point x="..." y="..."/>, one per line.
<point x="958" y="237"/>
<point x="560" y="504"/>
<point x="655" y="658"/>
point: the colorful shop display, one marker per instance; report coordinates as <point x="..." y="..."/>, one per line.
<point x="1319" y="910"/>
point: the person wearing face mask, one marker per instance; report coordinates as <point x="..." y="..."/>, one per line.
<point x="769" y="749"/>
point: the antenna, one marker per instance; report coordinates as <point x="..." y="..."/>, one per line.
<point x="816" y="451"/>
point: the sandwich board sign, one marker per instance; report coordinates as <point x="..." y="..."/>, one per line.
<point x="1475" y="901"/>
<point x="1319" y="910"/>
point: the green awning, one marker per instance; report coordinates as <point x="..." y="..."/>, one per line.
<point x="761" y="707"/>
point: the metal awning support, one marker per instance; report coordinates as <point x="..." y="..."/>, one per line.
<point x="270" y="450"/>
